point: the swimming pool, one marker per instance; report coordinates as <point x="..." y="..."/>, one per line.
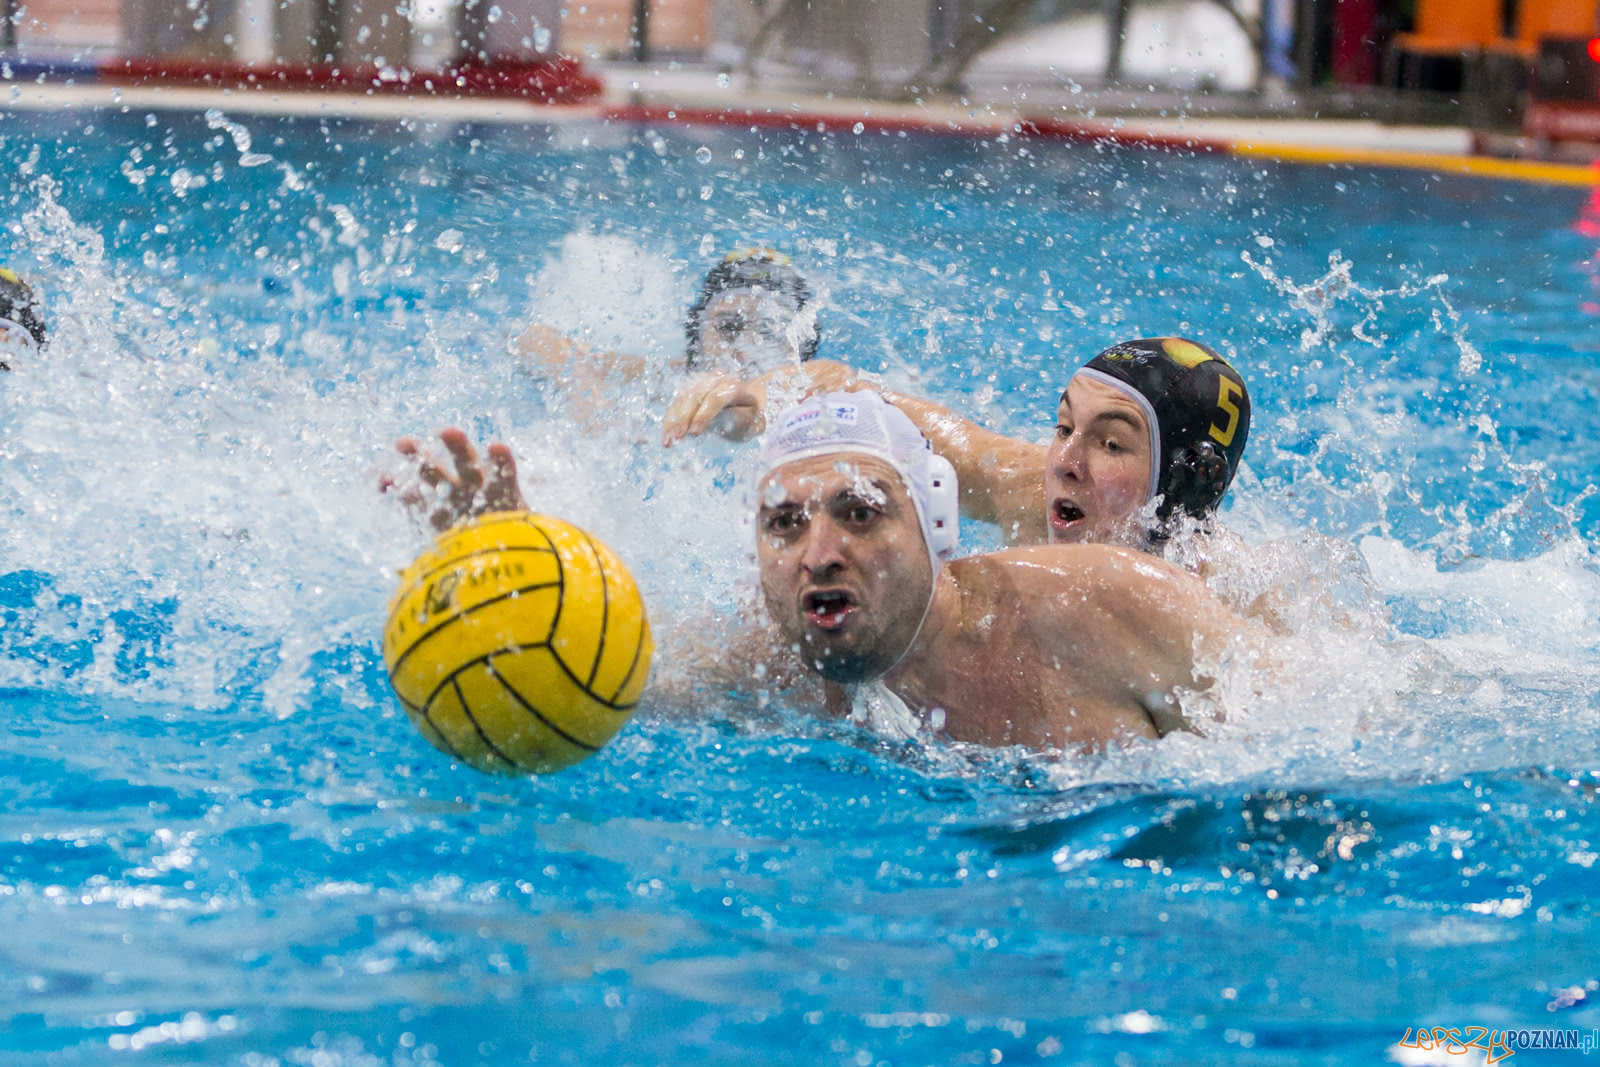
<point x="224" y="844"/>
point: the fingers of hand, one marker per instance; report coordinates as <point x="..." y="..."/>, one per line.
<point x="502" y="465"/>
<point x="679" y="412"/>
<point x="432" y="474"/>
<point x="407" y="486"/>
<point x="713" y="404"/>
<point x="469" y="473"/>
<point x="502" y="492"/>
<point x="834" y="377"/>
<point x="682" y="418"/>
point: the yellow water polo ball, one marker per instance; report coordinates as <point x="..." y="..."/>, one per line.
<point x="517" y="643"/>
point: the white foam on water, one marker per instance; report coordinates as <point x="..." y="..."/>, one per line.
<point x="1434" y="653"/>
<point x="145" y="462"/>
<point x="613" y="294"/>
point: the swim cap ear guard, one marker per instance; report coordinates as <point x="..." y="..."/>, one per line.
<point x="761" y="269"/>
<point x="1197" y="477"/>
<point x="944" y="508"/>
<point x="1201" y="418"/>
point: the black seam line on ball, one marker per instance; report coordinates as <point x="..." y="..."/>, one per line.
<point x="484" y="659"/>
<point x="427" y="717"/>
<point x="558" y="731"/>
<point x="561" y="579"/>
<point x="605" y="612"/>
<point x="464" y="615"/>
<point x="590" y="693"/>
<point x="467" y="708"/>
<point x="638" y="647"/>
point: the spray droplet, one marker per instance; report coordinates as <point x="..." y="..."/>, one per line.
<point x="702" y="154"/>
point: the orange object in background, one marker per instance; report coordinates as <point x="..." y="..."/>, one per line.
<point x="1538" y="19"/>
<point x="1453" y="27"/>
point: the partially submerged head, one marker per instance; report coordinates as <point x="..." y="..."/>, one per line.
<point x="22" y="329"/>
<point x="1152" y="418"/>
<point x="855" y="517"/>
<point x="754" y="314"/>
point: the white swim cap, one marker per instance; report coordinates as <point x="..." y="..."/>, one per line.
<point x="864" y="422"/>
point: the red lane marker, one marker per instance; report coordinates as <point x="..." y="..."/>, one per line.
<point x="558" y="81"/>
<point x="1051" y="129"/>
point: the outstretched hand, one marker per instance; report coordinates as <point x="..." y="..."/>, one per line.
<point x="469" y="490"/>
<point x="737" y="409"/>
<point x="733" y="406"/>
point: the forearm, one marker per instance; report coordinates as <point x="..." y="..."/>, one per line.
<point x="1001" y="478"/>
<point x="548" y="351"/>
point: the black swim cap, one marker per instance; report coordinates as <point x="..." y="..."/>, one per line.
<point x="19" y="305"/>
<point x="751" y="268"/>
<point x="1199" y="412"/>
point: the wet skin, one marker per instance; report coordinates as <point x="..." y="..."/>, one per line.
<point x="1087" y="485"/>
<point x="1050" y="647"/>
<point x="1097" y="466"/>
<point x="1053" y="646"/>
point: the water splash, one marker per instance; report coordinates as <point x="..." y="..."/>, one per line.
<point x="1321" y="297"/>
<point x="216" y="120"/>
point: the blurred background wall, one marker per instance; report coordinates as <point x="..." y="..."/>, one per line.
<point x="1379" y="58"/>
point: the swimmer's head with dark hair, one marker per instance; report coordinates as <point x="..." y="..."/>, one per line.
<point x="21" y="317"/>
<point x="1198" y="412"/>
<point x="755" y="311"/>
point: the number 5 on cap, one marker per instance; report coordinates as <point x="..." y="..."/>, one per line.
<point x="1227" y="389"/>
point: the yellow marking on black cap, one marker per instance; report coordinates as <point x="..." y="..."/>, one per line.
<point x="9" y="275"/>
<point x="1185" y="353"/>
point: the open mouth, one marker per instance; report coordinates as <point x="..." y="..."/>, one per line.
<point x="828" y="609"/>
<point x="1064" y="513"/>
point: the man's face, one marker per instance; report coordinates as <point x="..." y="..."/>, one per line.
<point x="746" y="332"/>
<point x="844" y="567"/>
<point x="1097" y="473"/>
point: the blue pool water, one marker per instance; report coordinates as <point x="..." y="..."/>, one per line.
<point x="220" y="842"/>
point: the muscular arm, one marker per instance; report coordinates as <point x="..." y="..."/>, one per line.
<point x="548" y="352"/>
<point x="1002" y="479"/>
<point x="1128" y="629"/>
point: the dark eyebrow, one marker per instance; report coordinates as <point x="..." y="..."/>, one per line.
<point x="850" y="492"/>
<point x="1120" y="416"/>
